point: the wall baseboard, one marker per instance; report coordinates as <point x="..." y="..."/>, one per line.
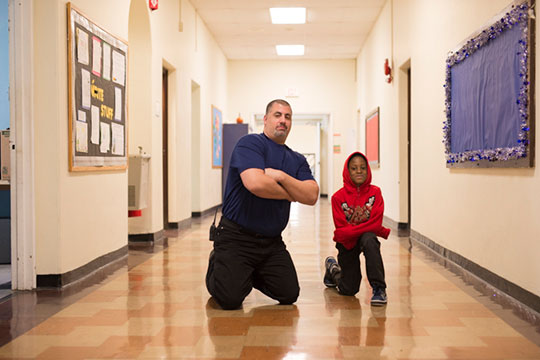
<point x="180" y="225"/>
<point x="103" y="263"/>
<point x="210" y="211"/>
<point x="151" y="237"/>
<point x="522" y="301"/>
<point x="402" y="229"/>
<point x="106" y="262"/>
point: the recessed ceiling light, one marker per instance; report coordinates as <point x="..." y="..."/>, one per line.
<point x="291" y="15"/>
<point x="290" y="50"/>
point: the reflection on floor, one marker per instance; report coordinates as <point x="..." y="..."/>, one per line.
<point x="156" y="307"/>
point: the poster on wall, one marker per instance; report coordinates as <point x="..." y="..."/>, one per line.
<point x="217" y="132"/>
<point x="97" y="64"/>
<point x="372" y="138"/>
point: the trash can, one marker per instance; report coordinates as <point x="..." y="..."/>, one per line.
<point x="138" y="176"/>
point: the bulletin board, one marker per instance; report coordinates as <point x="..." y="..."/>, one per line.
<point x="217" y="142"/>
<point x="490" y="115"/>
<point x="97" y="96"/>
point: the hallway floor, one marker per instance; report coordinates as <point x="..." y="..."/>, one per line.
<point x="157" y="307"/>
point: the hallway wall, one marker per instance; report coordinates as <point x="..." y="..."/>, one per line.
<point x="79" y="216"/>
<point x="83" y="216"/>
<point x="488" y="216"/>
<point x="195" y="56"/>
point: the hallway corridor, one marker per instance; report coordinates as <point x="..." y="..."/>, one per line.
<point x="160" y="309"/>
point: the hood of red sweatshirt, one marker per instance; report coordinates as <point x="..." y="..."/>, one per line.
<point x="347" y="182"/>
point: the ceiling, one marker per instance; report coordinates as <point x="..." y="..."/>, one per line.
<point x="335" y="29"/>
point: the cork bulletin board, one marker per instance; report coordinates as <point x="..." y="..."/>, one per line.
<point x="97" y="65"/>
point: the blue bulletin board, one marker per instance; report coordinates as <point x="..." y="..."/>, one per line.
<point x="489" y="94"/>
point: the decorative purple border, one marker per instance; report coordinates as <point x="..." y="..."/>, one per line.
<point x="518" y="15"/>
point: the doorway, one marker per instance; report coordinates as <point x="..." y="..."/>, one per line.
<point x="195" y="147"/>
<point x="405" y="151"/>
<point x="309" y="136"/>
<point x="165" y="146"/>
<point x="21" y="106"/>
<point x="5" y="190"/>
<point x="409" y="148"/>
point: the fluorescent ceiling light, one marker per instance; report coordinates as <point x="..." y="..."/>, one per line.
<point x="291" y="15"/>
<point x="290" y="50"/>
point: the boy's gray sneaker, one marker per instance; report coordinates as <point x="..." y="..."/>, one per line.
<point x="379" y="297"/>
<point x="332" y="267"/>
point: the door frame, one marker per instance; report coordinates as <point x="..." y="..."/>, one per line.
<point x="165" y="145"/>
<point x="21" y="57"/>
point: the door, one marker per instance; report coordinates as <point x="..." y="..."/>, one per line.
<point x="165" y="147"/>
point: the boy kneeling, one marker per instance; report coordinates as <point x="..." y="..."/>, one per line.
<point x="357" y="209"/>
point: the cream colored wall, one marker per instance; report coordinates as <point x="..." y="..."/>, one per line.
<point x="324" y="87"/>
<point x="304" y="138"/>
<point x="79" y="216"/>
<point x="140" y="110"/>
<point x="373" y="91"/>
<point x="489" y="216"/>
<point x="189" y="55"/>
<point x="82" y="216"/>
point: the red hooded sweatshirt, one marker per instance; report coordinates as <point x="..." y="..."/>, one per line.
<point x="357" y="209"/>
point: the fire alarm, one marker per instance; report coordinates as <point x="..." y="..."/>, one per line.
<point x="387" y="71"/>
<point x="153" y="4"/>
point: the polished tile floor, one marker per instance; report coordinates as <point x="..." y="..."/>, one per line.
<point x="157" y="307"/>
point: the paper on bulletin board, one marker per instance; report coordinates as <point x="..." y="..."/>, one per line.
<point x="118" y="67"/>
<point x="81" y="138"/>
<point x="117" y="139"/>
<point x="117" y="104"/>
<point x="95" y="125"/>
<point x="81" y="115"/>
<point x="85" y="89"/>
<point x="106" y="61"/>
<point x="96" y="57"/>
<point x="82" y="46"/>
<point x="105" y="138"/>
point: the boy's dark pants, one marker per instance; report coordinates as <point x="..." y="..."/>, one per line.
<point x="348" y="282"/>
<point x="241" y="261"/>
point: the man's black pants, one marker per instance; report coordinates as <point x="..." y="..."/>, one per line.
<point x="242" y="260"/>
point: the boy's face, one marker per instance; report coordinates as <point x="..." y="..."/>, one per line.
<point x="358" y="170"/>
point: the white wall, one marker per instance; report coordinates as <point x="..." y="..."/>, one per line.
<point x="79" y="216"/>
<point x="489" y="216"/>
<point x="82" y="216"/>
<point x="190" y="55"/>
<point x="324" y="87"/>
<point x="373" y="91"/>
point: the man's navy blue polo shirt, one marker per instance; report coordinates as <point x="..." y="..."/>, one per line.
<point x="263" y="216"/>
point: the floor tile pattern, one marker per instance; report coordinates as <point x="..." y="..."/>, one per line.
<point x="160" y="309"/>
